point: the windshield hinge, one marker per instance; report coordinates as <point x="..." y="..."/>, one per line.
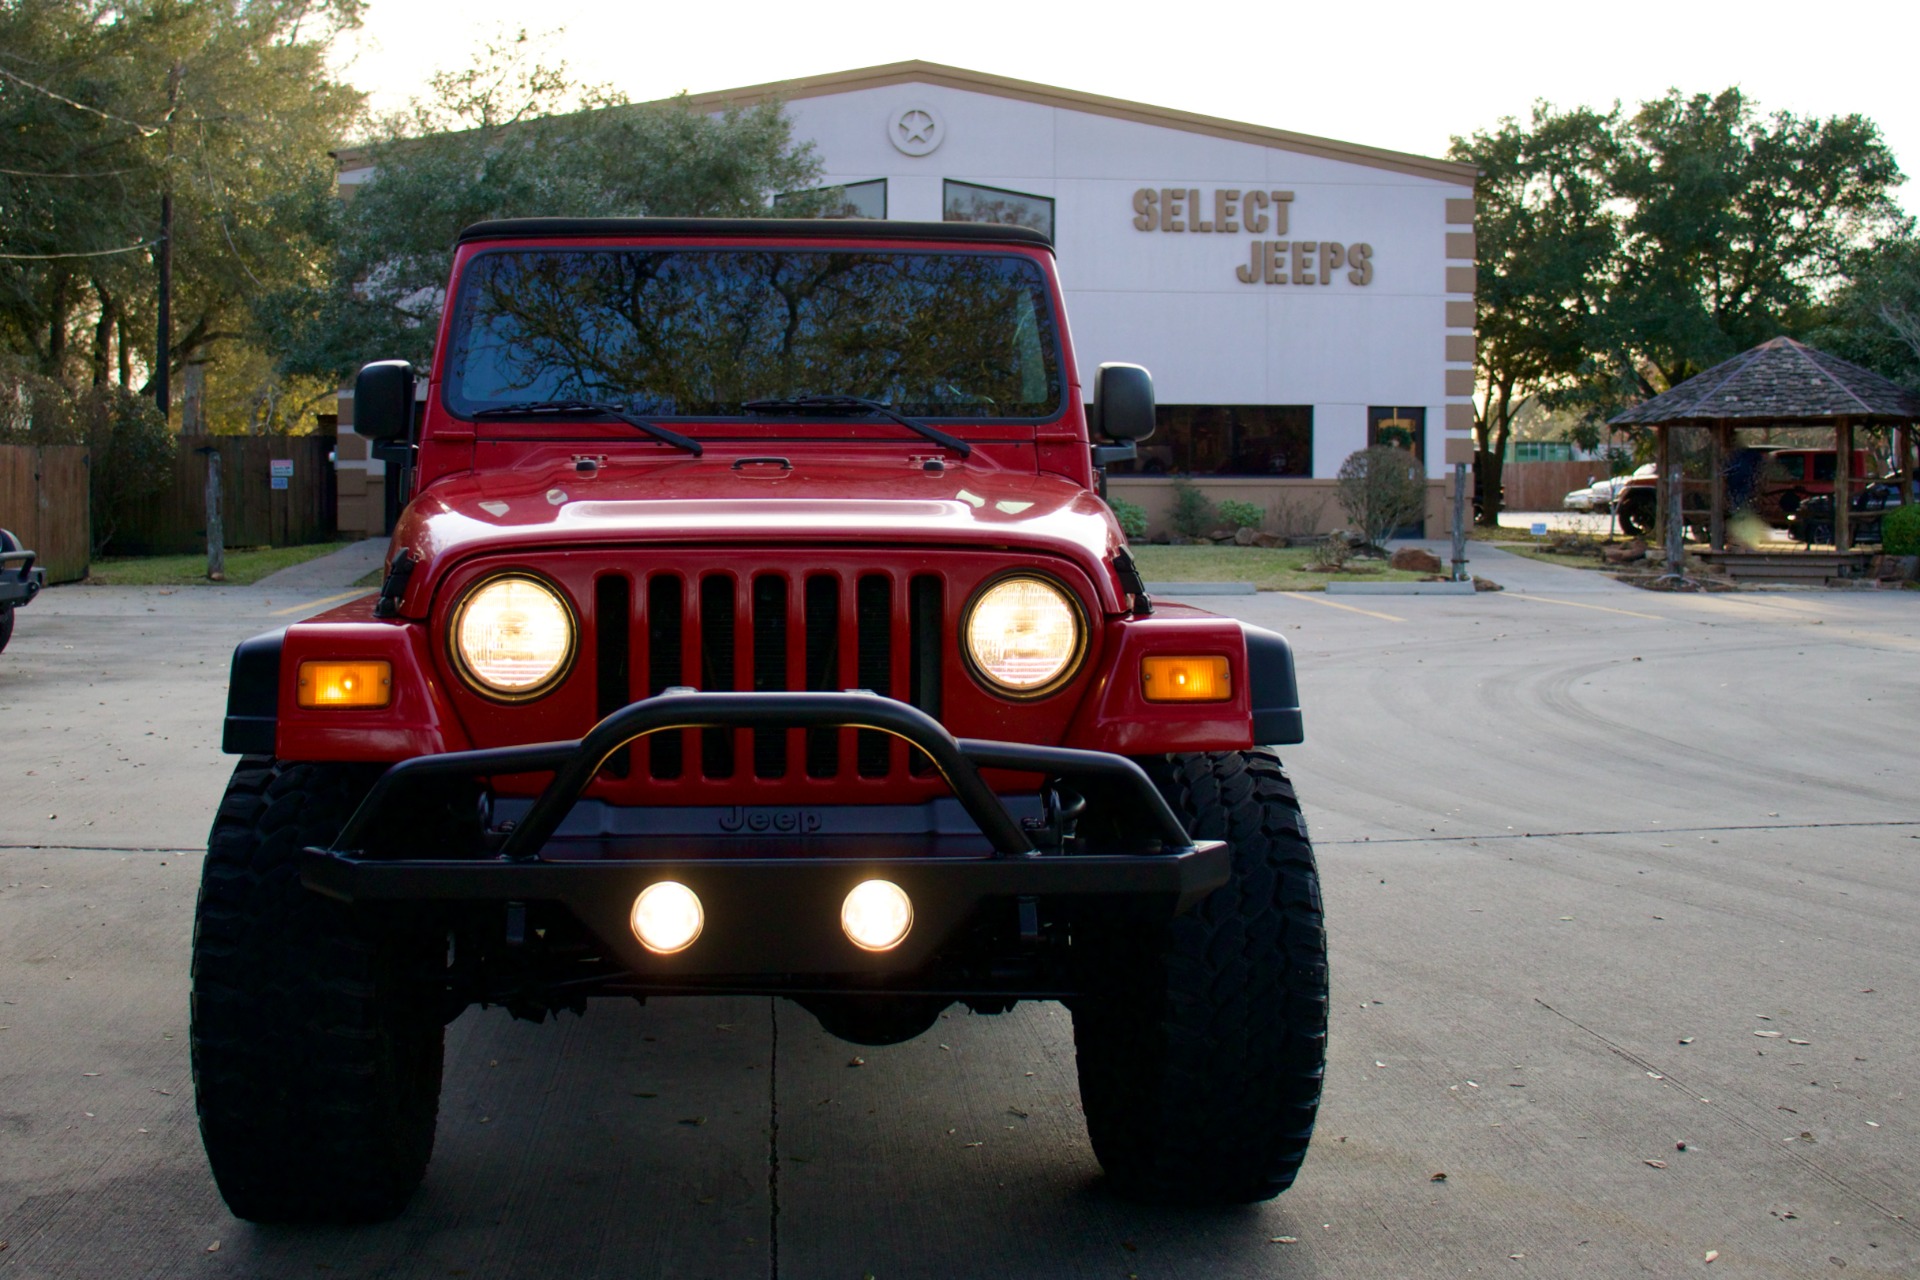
<point x="388" y="605"/>
<point x="1132" y="583"/>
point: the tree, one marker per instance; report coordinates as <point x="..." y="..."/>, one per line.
<point x="1737" y="225"/>
<point x="511" y="136"/>
<point x="1620" y="255"/>
<point x="1547" y="240"/>
<point x="1874" y="318"/>
<point x="150" y="133"/>
<point x="1382" y="489"/>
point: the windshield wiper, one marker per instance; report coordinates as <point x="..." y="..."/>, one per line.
<point x="548" y="408"/>
<point x="840" y="404"/>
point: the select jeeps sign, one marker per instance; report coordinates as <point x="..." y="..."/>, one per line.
<point x="1229" y="211"/>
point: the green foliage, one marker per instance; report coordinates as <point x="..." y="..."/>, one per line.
<point x="1381" y="490"/>
<point x="1900" y="531"/>
<point x="129" y="448"/>
<point x="34" y="409"/>
<point x="1736" y="225"/>
<point x="105" y="108"/>
<point x="1874" y="319"/>
<point x="1192" y="514"/>
<point x="1546" y="238"/>
<point x="513" y="137"/>
<point x="1132" y="517"/>
<point x="1622" y="253"/>
<point x="1241" y="515"/>
<point x="130" y="453"/>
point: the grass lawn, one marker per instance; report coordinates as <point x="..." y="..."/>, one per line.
<point x="244" y="567"/>
<point x="1268" y="568"/>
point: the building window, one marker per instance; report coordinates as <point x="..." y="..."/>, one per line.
<point x="857" y="199"/>
<point x="1398" y="427"/>
<point x="966" y="202"/>
<point x="1227" y="440"/>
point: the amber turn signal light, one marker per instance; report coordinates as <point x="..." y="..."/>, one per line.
<point x="346" y="684"/>
<point x="1186" y="679"/>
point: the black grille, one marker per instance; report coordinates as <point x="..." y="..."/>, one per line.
<point x="772" y="632"/>
<point x="665" y="666"/>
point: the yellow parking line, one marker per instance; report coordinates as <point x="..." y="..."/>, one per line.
<point x="1575" y="604"/>
<point x="1317" y="598"/>
<point x="315" y="604"/>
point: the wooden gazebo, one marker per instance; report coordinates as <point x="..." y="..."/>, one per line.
<point x="1781" y="383"/>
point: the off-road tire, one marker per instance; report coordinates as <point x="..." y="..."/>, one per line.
<point x="6" y="626"/>
<point x="1201" y="1057"/>
<point x="317" y="1026"/>
<point x="1636" y="519"/>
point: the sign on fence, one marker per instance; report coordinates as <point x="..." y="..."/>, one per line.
<point x="276" y="491"/>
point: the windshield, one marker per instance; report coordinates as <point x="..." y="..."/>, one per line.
<point x="701" y="332"/>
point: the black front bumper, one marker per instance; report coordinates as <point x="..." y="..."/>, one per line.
<point x="772" y="902"/>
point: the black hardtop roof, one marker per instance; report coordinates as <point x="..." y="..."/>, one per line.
<point x="779" y="228"/>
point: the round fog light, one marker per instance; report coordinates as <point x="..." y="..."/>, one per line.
<point x="876" y="915"/>
<point x="667" y="917"/>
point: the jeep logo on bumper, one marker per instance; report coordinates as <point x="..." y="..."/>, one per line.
<point x="786" y="821"/>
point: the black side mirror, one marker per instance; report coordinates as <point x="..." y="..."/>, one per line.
<point x="383" y="400"/>
<point x="1122" y="402"/>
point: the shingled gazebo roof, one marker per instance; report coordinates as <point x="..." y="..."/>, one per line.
<point x="1778" y="381"/>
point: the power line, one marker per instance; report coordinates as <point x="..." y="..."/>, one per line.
<point x="97" y="253"/>
<point x="146" y="130"/>
<point x="101" y="173"/>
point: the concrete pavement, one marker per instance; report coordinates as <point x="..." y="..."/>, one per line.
<point x="1607" y="872"/>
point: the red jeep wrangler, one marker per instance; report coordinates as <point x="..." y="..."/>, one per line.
<point x="756" y="627"/>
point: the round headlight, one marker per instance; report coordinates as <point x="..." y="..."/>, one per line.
<point x="513" y="637"/>
<point x="1023" y="634"/>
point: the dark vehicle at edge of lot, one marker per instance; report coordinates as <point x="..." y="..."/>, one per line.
<point x="756" y="627"/>
<point x="20" y="581"/>
<point x="1813" y="522"/>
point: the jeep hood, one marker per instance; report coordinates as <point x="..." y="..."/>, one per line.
<point x="734" y="500"/>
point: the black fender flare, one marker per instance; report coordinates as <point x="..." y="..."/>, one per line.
<point x="1275" y="690"/>
<point x="253" y="696"/>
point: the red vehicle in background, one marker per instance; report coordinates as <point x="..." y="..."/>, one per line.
<point x="756" y="627"/>
<point x="1782" y="479"/>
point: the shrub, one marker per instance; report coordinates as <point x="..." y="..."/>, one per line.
<point x="1192" y="514"/>
<point x="1132" y="517"/>
<point x="34" y="410"/>
<point x="1900" y="531"/>
<point x="1296" y="514"/>
<point x="1241" y="515"/>
<point x="131" y="455"/>
<point x="1381" y="490"/>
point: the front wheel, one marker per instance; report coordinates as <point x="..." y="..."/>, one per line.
<point x="1202" y="1051"/>
<point x="1636" y="519"/>
<point x="317" y="1025"/>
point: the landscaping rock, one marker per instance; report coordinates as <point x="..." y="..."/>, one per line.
<point x="1269" y="540"/>
<point x="1625" y="553"/>
<point x="1244" y="536"/>
<point x="1415" y="560"/>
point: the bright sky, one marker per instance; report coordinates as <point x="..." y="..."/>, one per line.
<point x="1397" y="75"/>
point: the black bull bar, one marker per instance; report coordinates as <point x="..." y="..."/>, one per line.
<point x="780" y="914"/>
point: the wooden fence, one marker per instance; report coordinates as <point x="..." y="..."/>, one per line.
<point x="253" y="512"/>
<point x="43" y="502"/>
<point x="1541" y="486"/>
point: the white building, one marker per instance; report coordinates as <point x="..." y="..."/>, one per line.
<point x="1296" y="298"/>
